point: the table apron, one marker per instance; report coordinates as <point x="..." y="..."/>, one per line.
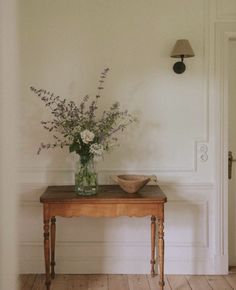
<point x="103" y="210"/>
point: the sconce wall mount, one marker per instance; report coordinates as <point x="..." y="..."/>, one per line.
<point x="182" y="49"/>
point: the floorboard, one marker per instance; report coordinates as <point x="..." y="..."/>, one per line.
<point x="178" y="282"/>
<point x="154" y="282"/>
<point x="128" y="282"/>
<point x="231" y="279"/>
<point x="198" y="282"/>
<point x="138" y="282"/>
<point x="218" y="282"/>
<point x="118" y="282"/>
<point x="27" y="281"/>
<point x="97" y="282"/>
<point x="78" y="282"/>
<point x="39" y="282"/>
<point x="60" y="282"/>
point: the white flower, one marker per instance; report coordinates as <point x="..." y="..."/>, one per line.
<point x="87" y="136"/>
<point x="96" y="149"/>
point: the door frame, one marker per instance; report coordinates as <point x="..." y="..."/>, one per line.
<point x="224" y="33"/>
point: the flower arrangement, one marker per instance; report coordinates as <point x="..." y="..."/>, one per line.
<point x="79" y="127"/>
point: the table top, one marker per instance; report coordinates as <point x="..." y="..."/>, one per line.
<point x="106" y="194"/>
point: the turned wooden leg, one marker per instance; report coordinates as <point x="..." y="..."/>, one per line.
<point x="53" y="238"/>
<point x="153" y="244"/>
<point x="47" y="253"/>
<point x="161" y="252"/>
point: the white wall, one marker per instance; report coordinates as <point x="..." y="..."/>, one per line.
<point x="64" y="47"/>
<point x="8" y="140"/>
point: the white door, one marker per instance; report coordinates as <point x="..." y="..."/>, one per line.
<point x="232" y="148"/>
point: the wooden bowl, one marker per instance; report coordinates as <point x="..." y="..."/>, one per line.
<point x="131" y="183"/>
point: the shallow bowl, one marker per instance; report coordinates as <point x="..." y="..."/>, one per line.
<point x="131" y="183"/>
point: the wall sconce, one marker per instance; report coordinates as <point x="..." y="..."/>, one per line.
<point x="181" y="50"/>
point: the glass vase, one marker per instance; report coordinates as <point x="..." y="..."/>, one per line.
<point x="85" y="177"/>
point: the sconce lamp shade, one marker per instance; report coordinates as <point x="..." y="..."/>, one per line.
<point x="182" y="49"/>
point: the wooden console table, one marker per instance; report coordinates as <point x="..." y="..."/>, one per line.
<point x="110" y="201"/>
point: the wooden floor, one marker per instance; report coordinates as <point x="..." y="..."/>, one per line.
<point x="127" y="282"/>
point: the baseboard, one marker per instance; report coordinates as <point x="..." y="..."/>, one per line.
<point x="113" y="258"/>
<point x="221" y="264"/>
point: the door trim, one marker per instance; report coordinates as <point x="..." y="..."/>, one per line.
<point x="225" y="32"/>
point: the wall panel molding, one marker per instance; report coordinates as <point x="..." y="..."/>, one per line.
<point x="30" y="191"/>
<point x="78" y="257"/>
<point x="63" y="176"/>
<point x="177" y="205"/>
<point x="188" y="206"/>
<point x="121" y="266"/>
<point x="226" y="10"/>
<point x="195" y="156"/>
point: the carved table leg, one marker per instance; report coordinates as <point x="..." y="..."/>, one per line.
<point x="153" y="242"/>
<point x="161" y="251"/>
<point x="53" y="238"/>
<point x="47" y="253"/>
